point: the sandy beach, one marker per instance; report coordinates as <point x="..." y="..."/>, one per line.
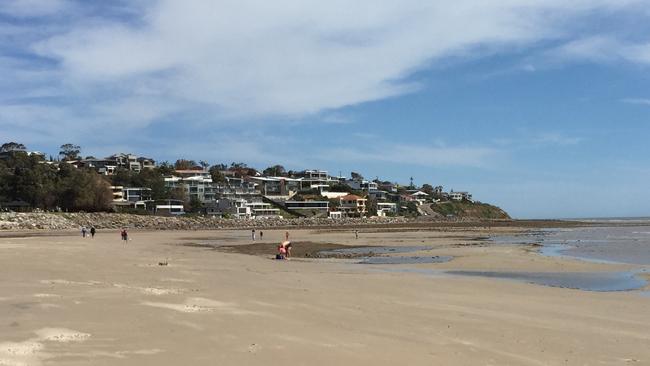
<point x="180" y="297"/>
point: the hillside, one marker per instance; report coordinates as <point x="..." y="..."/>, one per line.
<point x="473" y="210"/>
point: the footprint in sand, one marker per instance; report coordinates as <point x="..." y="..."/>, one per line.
<point x="66" y="282"/>
<point x="254" y="348"/>
<point x="201" y="305"/>
<point x="150" y="290"/>
<point x="30" y="352"/>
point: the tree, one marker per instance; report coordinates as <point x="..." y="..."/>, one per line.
<point x="123" y="177"/>
<point x="356" y="176"/>
<point x="412" y="209"/>
<point x="24" y="178"/>
<point x="83" y="190"/>
<point x="153" y="179"/>
<point x="70" y="151"/>
<point x="242" y="169"/>
<point x="234" y="166"/>
<point x="427" y="188"/>
<point x="372" y="206"/>
<point x="165" y="169"/>
<point x="275" y="171"/>
<point x="183" y="164"/>
<point x="12" y="146"/>
<point x="215" y="172"/>
<point x="195" y="205"/>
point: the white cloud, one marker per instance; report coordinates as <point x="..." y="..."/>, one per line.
<point x="289" y="58"/>
<point x="597" y="48"/>
<point x="641" y="101"/>
<point x="600" y="48"/>
<point x="557" y="139"/>
<point x="207" y="62"/>
<point x="420" y="155"/>
<point x="33" y="8"/>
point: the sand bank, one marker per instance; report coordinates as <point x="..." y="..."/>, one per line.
<point x="72" y="301"/>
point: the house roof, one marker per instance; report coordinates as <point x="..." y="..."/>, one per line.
<point x="203" y="171"/>
<point x="351" y="197"/>
<point x="419" y="193"/>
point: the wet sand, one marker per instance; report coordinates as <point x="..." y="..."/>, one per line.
<point x="65" y="300"/>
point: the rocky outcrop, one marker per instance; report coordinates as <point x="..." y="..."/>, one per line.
<point x="73" y="221"/>
<point x="68" y="221"/>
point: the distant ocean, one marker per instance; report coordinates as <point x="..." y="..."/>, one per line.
<point x="616" y="240"/>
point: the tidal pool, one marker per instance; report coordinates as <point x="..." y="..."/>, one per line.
<point x="405" y="260"/>
<point x="587" y="281"/>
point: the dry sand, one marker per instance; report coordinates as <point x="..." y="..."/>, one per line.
<point x="66" y="300"/>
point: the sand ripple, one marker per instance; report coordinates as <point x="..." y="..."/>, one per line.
<point x="30" y="352"/>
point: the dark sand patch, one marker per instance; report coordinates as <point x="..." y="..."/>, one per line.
<point x="303" y="249"/>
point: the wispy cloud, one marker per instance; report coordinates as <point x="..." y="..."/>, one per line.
<point x="601" y="49"/>
<point x="337" y="119"/>
<point x="557" y="139"/>
<point x="33" y="8"/>
<point x="641" y="101"/>
<point x="139" y="63"/>
<point x="295" y="58"/>
<point x="419" y="155"/>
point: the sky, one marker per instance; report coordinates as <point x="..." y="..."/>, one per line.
<point x="541" y="107"/>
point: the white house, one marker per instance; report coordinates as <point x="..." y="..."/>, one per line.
<point x="386" y="208"/>
<point x="353" y="206"/>
<point x="460" y="196"/>
<point x="196" y="183"/>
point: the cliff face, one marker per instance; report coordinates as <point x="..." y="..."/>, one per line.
<point x="470" y="210"/>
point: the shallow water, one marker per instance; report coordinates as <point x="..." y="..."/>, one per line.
<point x="406" y="260"/>
<point x="588" y="281"/>
<point x="612" y="244"/>
<point x="369" y="251"/>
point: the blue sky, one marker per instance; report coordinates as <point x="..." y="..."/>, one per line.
<point x="541" y="106"/>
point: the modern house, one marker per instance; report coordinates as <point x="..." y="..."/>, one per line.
<point x="277" y="186"/>
<point x="109" y="165"/>
<point x="118" y="193"/>
<point x="362" y="184"/>
<point x="378" y="195"/>
<point x="418" y="196"/>
<point x="386" y="208"/>
<point x="241" y="208"/>
<point x="263" y="209"/>
<point x="196" y="183"/>
<point x="235" y="207"/>
<point x="134" y="197"/>
<point x="460" y="196"/>
<point x="353" y="206"/>
<point x="169" y="207"/>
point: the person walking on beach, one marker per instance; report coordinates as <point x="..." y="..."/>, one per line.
<point x="356" y="234"/>
<point x="288" y="248"/>
<point x="286" y="236"/>
<point x="83" y="231"/>
<point x="125" y="235"/>
<point x="92" y="232"/>
<point x="253" y="234"/>
<point x="261" y="235"/>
